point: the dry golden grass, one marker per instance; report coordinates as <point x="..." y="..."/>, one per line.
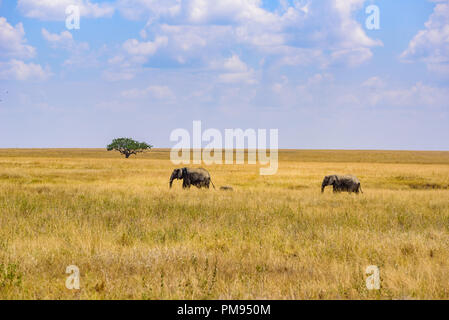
<point x="273" y="237"/>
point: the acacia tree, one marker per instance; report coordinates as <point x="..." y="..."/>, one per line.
<point x="128" y="146"/>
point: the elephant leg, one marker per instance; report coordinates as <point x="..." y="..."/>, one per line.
<point x="186" y="183"/>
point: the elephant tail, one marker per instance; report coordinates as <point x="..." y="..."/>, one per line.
<point x="212" y="183"/>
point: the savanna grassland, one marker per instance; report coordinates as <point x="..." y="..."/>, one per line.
<point x="273" y="237"/>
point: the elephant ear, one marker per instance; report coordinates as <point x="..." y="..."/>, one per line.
<point x="332" y="179"/>
<point x="183" y="172"/>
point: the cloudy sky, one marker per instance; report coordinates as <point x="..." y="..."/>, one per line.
<point x="142" y="68"/>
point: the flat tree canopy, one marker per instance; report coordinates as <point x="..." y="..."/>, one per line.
<point x="128" y="146"/>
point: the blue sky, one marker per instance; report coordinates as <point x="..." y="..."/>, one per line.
<point x="142" y="68"/>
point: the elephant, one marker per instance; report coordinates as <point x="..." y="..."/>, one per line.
<point x="198" y="177"/>
<point x="226" y="188"/>
<point x="342" y="183"/>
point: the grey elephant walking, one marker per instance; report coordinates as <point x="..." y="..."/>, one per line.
<point x="342" y="183"/>
<point x="198" y="177"/>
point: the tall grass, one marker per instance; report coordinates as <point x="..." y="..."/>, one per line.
<point x="273" y="237"/>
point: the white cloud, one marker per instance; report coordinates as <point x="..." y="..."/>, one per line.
<point x="142" y="9"/>
<point x="320" y="91"/>
<point x="373" y="82"/>
<point x="338" y="39"/>
<point x="127" y="63"/>
<point x="13" y="47"/>
<point x="187" y="38"/>
<point x="236" y="71"/>
<point x="19" y="70"/>
<point x="136" y="48"/>
<point x="64" y="37"/>
<point x="196" y="32"/>
<point x="116" y="59"/>
<point x="55" y="9"/>
<point x="351" y="57"/>
<point x="225" y="11"/>
<point x="235" y="64"/>
<point x="195" y="12"/>
<point x="349" y="31"/>
<point x="195" y="44"/>
<point x="13" y="42"/>
<point x="377" y="92"/>
<point x="64" y="40"/>
<point x="431" y="45"/>
<point x="301" y="56"/>
<point x="79" y="54"/>
<point x="158" y="92"/>
<point x="296" y="33"/>
<point x="319" y="78"/>
<point x="419" y="95"/>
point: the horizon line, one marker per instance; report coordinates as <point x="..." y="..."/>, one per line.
<point x="224" y="149"/>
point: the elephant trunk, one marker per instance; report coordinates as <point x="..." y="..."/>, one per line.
<point x="323" y="185"/>
<point x="171" y="180"/>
